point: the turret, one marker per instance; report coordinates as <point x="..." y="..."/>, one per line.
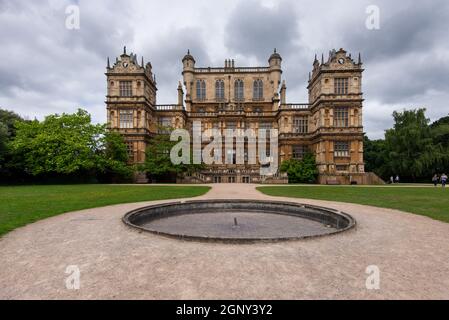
<point x="188" y="63"/>
<point x="275" y="62"/>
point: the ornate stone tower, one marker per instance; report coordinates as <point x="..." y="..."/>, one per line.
<point x="131" y="103"/>
<point x="336" y="98"/>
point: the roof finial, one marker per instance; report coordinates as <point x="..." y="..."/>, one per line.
<point x="322" y="58"/>
<point x="360" y="58"/>
<point x="188" y="51"/>
<point x="124" y="50"/>
<point x="109" y="65"/>
<point x="143" y="66"/>
<point x="274" y="50"/>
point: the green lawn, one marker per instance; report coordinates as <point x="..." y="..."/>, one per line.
<point x="26" y="204"/>
<point x="430" y="202"/>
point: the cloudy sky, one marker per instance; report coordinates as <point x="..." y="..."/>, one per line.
<point x="47" y="68"/>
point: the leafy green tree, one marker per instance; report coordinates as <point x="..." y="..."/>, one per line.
<point x="8" y="120"/>
<point x="440" y="134"/>
<point x="411" y="152"/>
<point x="375" y="156"/>
<point x="301" y="171"/>
<point x="158" y="163"/>
<point x="114" y="158"/>
<point x="67" y="145"/>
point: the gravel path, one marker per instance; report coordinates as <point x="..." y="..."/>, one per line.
<point x="116" y="262"/>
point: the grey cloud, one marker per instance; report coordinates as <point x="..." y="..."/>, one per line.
<point x="45" y="68"/>
<point x="165" y="56"/>
<point x="406" y="27"/>
<point x="254" y="30"/>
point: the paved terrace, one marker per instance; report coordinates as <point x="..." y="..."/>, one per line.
<point x="117" y="262"/>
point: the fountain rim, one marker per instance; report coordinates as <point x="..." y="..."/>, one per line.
<point x="352" y="223"/>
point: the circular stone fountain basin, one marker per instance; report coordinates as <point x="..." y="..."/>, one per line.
<point x="239" y="221"/>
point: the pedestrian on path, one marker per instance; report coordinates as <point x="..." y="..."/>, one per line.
<point x="435" y="180"/>
<point x="443" y="180"/>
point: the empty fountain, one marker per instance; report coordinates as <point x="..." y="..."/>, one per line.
<point x="239" y="221"/>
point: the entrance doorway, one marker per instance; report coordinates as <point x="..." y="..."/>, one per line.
<point x="217" y="179"/>
<point x="231" y="179"/>
<point x="246" y="179"/>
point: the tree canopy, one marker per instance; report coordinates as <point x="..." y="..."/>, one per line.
<point x="412" y="149"/>
<point x="67" y="145"/>
<point x="301" y="171"/>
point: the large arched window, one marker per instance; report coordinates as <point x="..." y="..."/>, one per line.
<point x="238" y="90"/>
<point x="219" y="90"/>
<point x="258" y="90"/>
<point x="201" y="90"/>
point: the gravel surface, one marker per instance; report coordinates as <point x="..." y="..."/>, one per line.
<point x="117" y="262"/>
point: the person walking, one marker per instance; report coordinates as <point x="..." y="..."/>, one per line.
<point x="397" y="179"/>
<point x="391" y="180"/>
<point x="443" y="180"/>
<point x="435" y="180"/>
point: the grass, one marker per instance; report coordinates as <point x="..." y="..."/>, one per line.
<point x="22" y="205"/>
<point x="430" y="202"/>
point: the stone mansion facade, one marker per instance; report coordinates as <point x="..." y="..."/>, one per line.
<point x="329" y="125"/>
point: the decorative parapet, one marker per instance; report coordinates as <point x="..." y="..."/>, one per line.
<point x="240" y="69"/>
<point x="295" y="106"/>
<point x="169" y="107"/>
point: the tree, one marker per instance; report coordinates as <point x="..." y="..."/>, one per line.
<point x="67" y="145"/>
<point x="410" y="150"/>
<point x="114" y="159"/>
<point x="8" y="120"/>
<point x="375" y="156"/>
<point x="440" y="134"/>
<point x="158" y="163"/>
<point x="301" y="171"/>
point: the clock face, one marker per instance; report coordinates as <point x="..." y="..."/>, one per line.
<point x="341" y="61"/>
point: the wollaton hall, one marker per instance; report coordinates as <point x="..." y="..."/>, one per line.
<point x="230" y="97"/>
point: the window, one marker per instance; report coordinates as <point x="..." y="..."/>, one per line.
<point x="265" y="125"/>
<point x="201" y="90"/>
<point x="341" y="85"/>
<point x="341" y="117"/>
<point x="126" y="119"/>
<point x="300" y="125"/>
<point x="231" y="125"/>
<point x="258" y="90"/>
<point x="130" y="150"/>
<point x="165" y="125"/>
<point x="341" y="168"/>
<point x="230" y="156"/>
<point x="341" y="149"/>
<point x="238" y="90"/>
<point x="219" y="90"/>
<point x="299" y="152"/>
<point x="126" y="88"/>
